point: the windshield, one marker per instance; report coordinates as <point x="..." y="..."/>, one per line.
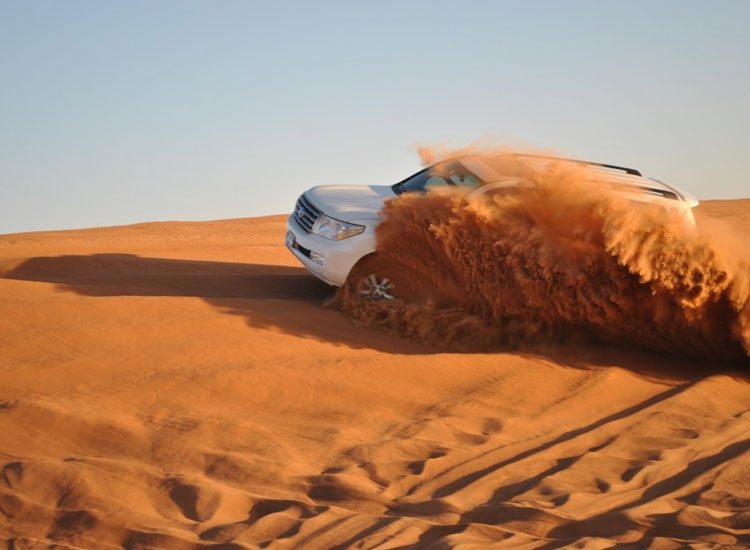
<point x="450" y="172"/>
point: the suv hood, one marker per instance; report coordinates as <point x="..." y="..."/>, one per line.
<point x="350" y="202"/>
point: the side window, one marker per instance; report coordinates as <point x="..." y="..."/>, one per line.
<point x="435" y="181"/>
<point x="467" y="180"/>
<point x="451" y="173"/>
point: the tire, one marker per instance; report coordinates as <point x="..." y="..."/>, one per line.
<point x="376" y="288"/>
<point x="374" y="280"/>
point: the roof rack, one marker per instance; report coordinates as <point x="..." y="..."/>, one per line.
<point x="631" y="171"/>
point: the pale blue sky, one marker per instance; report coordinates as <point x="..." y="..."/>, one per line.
<point x="117" y="112"/>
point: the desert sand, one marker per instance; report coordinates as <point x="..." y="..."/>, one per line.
<point x="180" y="385"/>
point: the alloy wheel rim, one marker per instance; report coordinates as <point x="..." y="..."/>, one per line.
<point x="376" y="288"/>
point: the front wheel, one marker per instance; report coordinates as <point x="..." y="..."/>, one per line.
<point x="375" y="287"/>
<point x="374" y="279"/>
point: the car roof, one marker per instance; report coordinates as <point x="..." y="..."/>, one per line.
<point x="517" y="164"/>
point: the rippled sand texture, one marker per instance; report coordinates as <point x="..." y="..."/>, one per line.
<point x="179" y="385"/>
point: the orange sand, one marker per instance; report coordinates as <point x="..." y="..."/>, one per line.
<point x="179" y="385"/>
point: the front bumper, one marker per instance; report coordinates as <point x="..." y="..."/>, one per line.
<point x="335" y="258"/>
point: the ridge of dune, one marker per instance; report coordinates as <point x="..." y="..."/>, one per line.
<point x="178" y="385"/>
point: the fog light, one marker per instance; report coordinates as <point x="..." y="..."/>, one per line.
<point x="317" y="258"/>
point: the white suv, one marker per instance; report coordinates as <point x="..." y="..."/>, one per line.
<point x="332" y="227"/>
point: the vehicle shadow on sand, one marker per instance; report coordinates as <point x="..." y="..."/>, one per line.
<point x="132" y="275"/>
<point x="292" y="300"/>
<point x="287" y="298"/>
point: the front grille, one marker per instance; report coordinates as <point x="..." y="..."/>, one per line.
<point x="306" y="213"/>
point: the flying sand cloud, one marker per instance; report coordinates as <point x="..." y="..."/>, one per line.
<point x="562" y="260"/>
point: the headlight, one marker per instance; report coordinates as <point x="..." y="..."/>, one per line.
<point x="334" y="229"/>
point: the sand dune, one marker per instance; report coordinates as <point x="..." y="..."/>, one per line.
<point x="179" y="386"/>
